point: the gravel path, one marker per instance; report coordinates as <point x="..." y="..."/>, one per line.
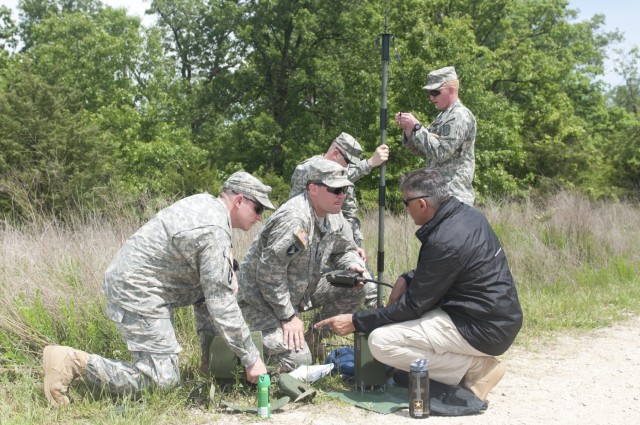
<point x="593" y="378"/>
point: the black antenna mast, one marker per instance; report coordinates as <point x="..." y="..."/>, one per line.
<point x="383" y="140"/>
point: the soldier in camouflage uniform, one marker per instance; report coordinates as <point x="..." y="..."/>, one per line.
<point x="181" y="257"/>
<point x="346" y="151"/>
<point x="281" y="274"/>
<point x="448" y="142"/>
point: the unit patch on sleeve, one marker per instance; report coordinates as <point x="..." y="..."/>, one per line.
<point x="293" y="249"/>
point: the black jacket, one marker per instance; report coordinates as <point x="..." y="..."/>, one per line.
<point x="463" y="270"/>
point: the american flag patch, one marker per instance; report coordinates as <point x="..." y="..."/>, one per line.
<point x="302" y="236"/>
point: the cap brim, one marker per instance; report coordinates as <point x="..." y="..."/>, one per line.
<point x="433" y="86"/>
<point x="352" y="158"/>
<point x="337" y="182"/>
<point x="265" y="202"/>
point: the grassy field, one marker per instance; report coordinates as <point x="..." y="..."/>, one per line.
<point x="576" y="265"/>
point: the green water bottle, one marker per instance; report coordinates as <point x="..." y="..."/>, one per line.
<point x="264" y="406"/>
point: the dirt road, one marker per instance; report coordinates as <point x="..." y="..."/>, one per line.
<point x="592" y="378"/>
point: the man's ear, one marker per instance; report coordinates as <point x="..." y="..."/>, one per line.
<point x="312" y="188"/>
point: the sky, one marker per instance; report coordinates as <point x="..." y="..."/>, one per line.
<point x="619" y="14"/>
<point x="622" y="15"/>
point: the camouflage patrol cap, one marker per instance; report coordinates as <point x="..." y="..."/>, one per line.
<point x="329" y="173"/>
<point x="440" y="76"/>
<point x="349" y="145"/>
<point x="244" y="183"/>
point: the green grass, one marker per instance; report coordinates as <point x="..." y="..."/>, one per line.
<point x="576" y="266"/>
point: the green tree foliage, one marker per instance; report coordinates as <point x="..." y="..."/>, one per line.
<point x="623" y="146"/>
<point x="220" y="85"/>
<point x="53" y="156"/>
<point x="296" y="88"/>
<point x="8" y="34"/>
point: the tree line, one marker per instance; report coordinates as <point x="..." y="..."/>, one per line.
<point x="96" y="108"/>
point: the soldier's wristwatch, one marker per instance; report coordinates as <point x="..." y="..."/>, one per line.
<point x="288" y="319"/>
<point x="417" y="127"/>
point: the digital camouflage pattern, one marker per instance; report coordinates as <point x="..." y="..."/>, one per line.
<point x="435" y="79"/>
<point x="243" y="182"/>
<point x="150" y="342"/>
<point x="355" y="172"/>
<point x="350" y="146"/>
<point x="181" y="257"/>
<point x="282" y="270"/>
<point x="448" y="145"/>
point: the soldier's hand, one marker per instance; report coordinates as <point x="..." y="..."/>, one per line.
<point x="293" y="334"/>
<point x="406" y="121"/>
<point x="359" y="270"/>
<point x="399" y="288"/>
<point x="380" y="156"/>
<point x="342" y="324"/>
<point x="234" y="283"/>
<point x="362" y="253"/>
<point x="255" y="370"/>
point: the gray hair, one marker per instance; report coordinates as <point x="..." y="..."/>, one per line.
<point x="427" y="182"/>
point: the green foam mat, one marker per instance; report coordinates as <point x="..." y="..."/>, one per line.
<point x="444" y="400"/>
<point x="377" y="400"/>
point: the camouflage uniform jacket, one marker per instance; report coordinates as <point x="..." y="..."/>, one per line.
<point x="448" y="145"/>
<point x="285" y="262"/>
<point x="181" y="256"/>
<point x="355" y="172"/>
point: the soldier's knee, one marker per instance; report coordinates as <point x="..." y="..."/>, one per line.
<point x="168" y="382"/>
<point x="164" y="372"/>
<point x="291" y="360"/>
<point x="301" y="358"/>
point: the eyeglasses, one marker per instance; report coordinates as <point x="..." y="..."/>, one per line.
<point x="406" y="201"/>
<point x="334" y="190"/>
<point x="257" y="206"/>
<point x="337" y="190"/>
<point x="434" y="93"/>
<point x="347" y="160"/>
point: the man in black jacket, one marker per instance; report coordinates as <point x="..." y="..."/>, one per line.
<point x="459" y="308"/>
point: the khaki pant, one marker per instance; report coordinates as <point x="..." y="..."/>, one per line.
<point x="434" y="337"/>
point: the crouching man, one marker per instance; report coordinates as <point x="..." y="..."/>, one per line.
<point x="281" y="274"/>
<point x="459" y="308"/>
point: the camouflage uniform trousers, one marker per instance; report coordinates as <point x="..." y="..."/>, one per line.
<point x="154" y="350"/>
<point x="330" y="301"/>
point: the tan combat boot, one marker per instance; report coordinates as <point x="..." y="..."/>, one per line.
<point x="482" y="376"/>
<point x="61" y="366"/>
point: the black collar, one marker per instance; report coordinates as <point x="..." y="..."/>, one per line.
<point x="445" y="210"/>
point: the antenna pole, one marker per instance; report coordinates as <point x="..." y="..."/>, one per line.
<point x="383" y="140"/>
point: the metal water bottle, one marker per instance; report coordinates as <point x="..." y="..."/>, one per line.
<point x="264" y="405"/>
<point x="419" y="406"/>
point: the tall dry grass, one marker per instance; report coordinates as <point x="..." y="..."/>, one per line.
<point x="576" y="265"/>
<point x="546" y="244"/>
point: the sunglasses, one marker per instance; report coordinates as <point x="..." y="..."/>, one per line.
<point x="334" y="190"/>
<point x="406" y="201"/>
<point x="257" y="206"/>
<point x="337" y="190"/>
<point x="347" y="160"/>
<point x="434" y="93"/>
